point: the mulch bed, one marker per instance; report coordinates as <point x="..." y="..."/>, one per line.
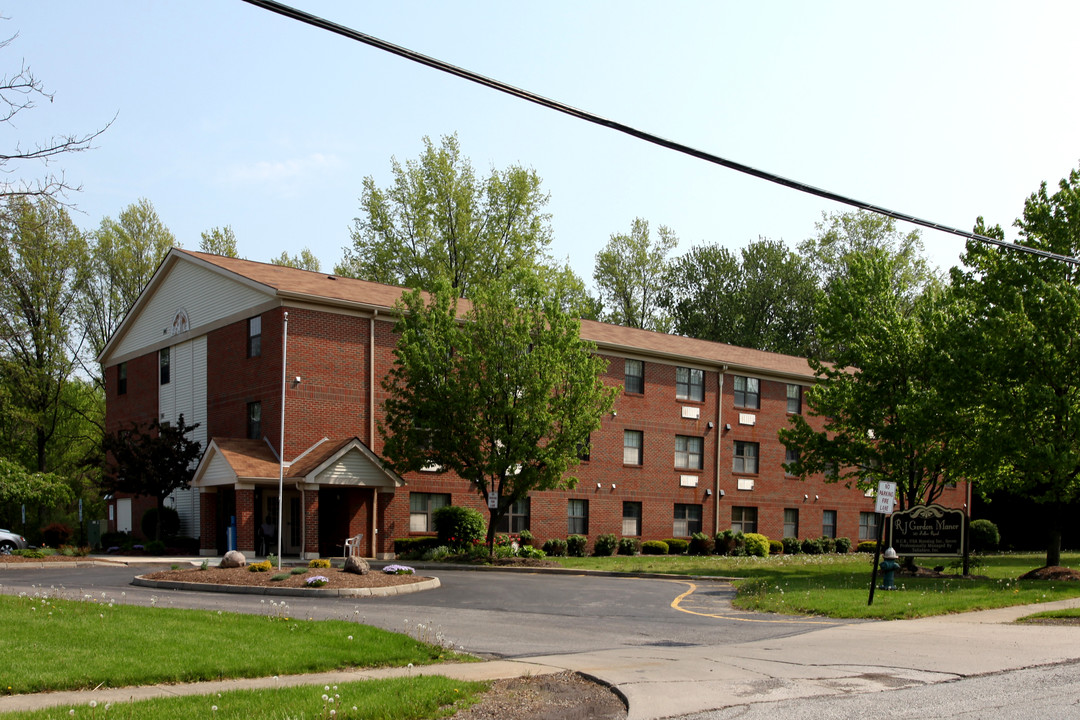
<point x="1052" y="572"/>
<point x="563" y="696"/>
<point x="336" y="578"/>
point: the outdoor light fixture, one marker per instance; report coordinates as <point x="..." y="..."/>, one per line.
<point x="721" y="493"/>
<point x="727" y="426"/>
<point x="708" y="492"/>
<point x="612" y="486"/>
<point x="805" y="498"/>
<point x="709" y="425"/>
<point x="598" y="486"/>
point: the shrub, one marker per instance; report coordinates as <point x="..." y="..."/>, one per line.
<point x="170" y="522"/>
<point x="555" y="547"/>
<point x="677" y="546"/>
<point x="812" y="546"/>
<point x="526" y="537"/>
<point x="792" y="545"/>
<point x="776" y="547"/>
<point x="628" y="546"/>
<point x="115" y="539"/>
<point x="436" y="554"/>
<point x="867" y="546"/>
<point x="729" y="542"/>
<point x="528" y="551"/>
<point x="654" y="547"/>
<point x="984" y="535"/>
<point x="756" y="544"/>
<point x="605" y="545"/>
<point x="263" y="566"/>
<point x="414" y="547"/>
<point x="155" y="547"/>
<point x="459" y="526"/>
<point x="575" y="545"/>
<point x="843" y="545"/>
<point x="55" y="535"/>
<point x="700" y="544"/>
<point x="319" y="563"/>
<point x="280" y="576"/>
<point x="828" y="544"/>
<point x="298" y="571"/>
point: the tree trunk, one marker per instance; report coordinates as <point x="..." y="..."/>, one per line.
<point x="1053" y="539"/>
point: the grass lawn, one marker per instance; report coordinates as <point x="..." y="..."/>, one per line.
<point x="838" y="585"/>
<point x="56" y="644"/>
<point x="413" y="698"/>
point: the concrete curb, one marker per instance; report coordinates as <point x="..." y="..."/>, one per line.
<point x="429" y="584"/>
<point x="57" y="565"/>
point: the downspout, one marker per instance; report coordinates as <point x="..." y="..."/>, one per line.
<point x="303" y="520"/>
<point x="371" y="429"/>
<point x="719" y="433"/>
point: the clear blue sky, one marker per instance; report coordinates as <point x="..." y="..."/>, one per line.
<point x="229" y="115"/>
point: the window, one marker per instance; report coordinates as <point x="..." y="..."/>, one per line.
<point x="163" y="365"/>
<point x="831" y="473"/>
<point x="867" y="526"/>
<point x="584" y="450"/>
<point x="687" y="520"/>
<point x="121" y="379"/>
<point x="791" y="522"/>
<point x="747" y="392"/>
<point x="421" y="507"/>
<point x="254" y="420"/>
<point x="516" y="518"/>
<point x="632" y="442"/>
<point x="631" y="519"/>
<point x="744" y="519"/>
<point x="254" y="342"/>
<point x="688" y="452"/>
<point x="794" y="399"/>
<point x="746" y="457"/>
<point x="791" y="456"/>
<point x="689" y="384"/>
<point x="634" y="381"/>
<point x="577" y="517"/>
<point x="828" y="523"/>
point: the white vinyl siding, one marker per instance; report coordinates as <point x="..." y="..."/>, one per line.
<point x="186" y="395"/>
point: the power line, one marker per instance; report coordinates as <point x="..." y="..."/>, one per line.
<point x="431" y="62"/>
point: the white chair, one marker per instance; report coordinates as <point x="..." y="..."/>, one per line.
<point x="353" y="547"/>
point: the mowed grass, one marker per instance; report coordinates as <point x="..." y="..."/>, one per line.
<point x="839" y="585"/>
<point x="413" y="698"/>
<point x="57" y="644"/>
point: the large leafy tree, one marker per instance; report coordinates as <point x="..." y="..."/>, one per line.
<point x="1019" y="347"/>
<point x="440" y="220"/>
<point x="631" y="273"/>
<point x="885" y="416"/>
<point x="153" y="460"/>
<point x="304" y="260"/>
<point x="505" y="396"/>
<point x="36" y="491"/>
<point x="219" y="241"/>
<point x="761" y="298"/>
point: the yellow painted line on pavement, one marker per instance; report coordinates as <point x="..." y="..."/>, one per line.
<point x="676" y="604"/>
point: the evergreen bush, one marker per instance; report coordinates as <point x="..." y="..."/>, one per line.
<point x="576" y="545"/>
<point x="458" y="526"/>
<point x="654" y="547"/>
<point x="756" y="544"/>
<point x="843" y="545"/>
<point x="792" y="545"/>
<point x="700" y="544"/>
<point x="170" y="522"/>
<point x="605" y="545"/>
<point x="628" y="546"/>
<point x="984" y="535"/>
<point x="555" y="547"/>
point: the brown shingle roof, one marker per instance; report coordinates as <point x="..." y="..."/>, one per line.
<point x="333" y="289"/>
<point x="248" y="458"/>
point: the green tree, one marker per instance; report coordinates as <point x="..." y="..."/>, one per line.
<point x="40" y="260"/>
<point x="439" y="220"/>
<point x="153" y="461"/>
<point x="219" y="241"/>
<point x="504" y="397"/>
<point x="36" y="491"/>
<point x="1019" y="346"/>
<point x="768" y="297"/>
<point x="123" y="256"/>
<point x="306" y="260"/>
<point x="630" y="274"/>
<point x="885" y="416"/>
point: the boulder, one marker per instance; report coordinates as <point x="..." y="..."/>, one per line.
<point x="233" y="559"/>
<point x="358" y="565"/>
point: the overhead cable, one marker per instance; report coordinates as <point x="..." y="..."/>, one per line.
<point x="431" y="62"/>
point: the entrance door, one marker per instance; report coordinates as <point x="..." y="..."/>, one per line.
<point x="123" y="515"/>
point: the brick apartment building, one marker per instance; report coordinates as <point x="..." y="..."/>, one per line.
<point x="690" y="445"/>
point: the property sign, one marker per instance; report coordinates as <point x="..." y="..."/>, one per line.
<point x="886" y="497"/>
<point x="928" y="530"/>
<point x="493" y="500"/>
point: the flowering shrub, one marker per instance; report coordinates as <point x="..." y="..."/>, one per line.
<point x="319" y="563"/>
<point x="260" y="566"/>
<point x="398" y="570"/>
<point x="317" y="580"/>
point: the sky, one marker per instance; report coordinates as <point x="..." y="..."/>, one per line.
<point x="226" y="114"/>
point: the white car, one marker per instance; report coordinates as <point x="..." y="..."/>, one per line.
<point x="10" y="541"/>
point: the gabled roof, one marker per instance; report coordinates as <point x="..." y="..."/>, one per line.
<point x="288" y="283"/>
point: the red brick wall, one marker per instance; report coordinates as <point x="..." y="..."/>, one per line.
<point x="311" y="521"/>
<point x="208" y="521"/>
<point x="245" y="521"/>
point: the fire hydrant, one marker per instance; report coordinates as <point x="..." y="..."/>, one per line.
<point x="888" y="568"/>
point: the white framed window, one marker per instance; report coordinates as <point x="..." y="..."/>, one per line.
<point x="631" y="519"/>
<point x="828" y="523"/>
<point x="746" y="457"/>
<point x="747" y="392"/>
<point x="516" y="518"/>
<point x="687" y="520"/>
<point x="633" y="444"/>
<point x="577" y="517"/>
<point x="791" y="456"/>
<point x="791" y="522"/>
<point x="634" y="380"/>
<point x="794" y="399"/>
<point x="421" y="507"/>
<point x="867" y="526"/>
<point x="689" y="452"/>
<point x="689" y="384"/>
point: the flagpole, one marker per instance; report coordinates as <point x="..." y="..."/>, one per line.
<point x="281" y="448"/>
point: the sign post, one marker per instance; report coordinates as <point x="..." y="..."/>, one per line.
<point x="883" y="504"/>
<point x="493" y="500"/>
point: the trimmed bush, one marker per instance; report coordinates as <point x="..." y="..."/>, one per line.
<point x="756" y="544"/>
<point x="114" y="539"/>
<point x="459" y="526"/>
<point x="170" y="522"/>
<point x="525" y="538"/>
<point x="263" y="566"/>
<point x="792" y="545"/>
<point x="776" y="547"/>
<point x="414" y="547"/>
<point x="555" y="547"/>
<point x="316" y="563"/>
<point x="576" y="545"/>
<point x="843" y="545"/>
<point x="984" y="535"/>
<point x="677" y="546"/>
<point x="700" y="544"/>
<point x="654" y="547"/>
<point x="867" y="546"/>
<point x="605" y="545"/>
<point x="628" y="546"/>
<point x="729" y="542"/>
<point x="828" y="544"/>
<point x="155" y="547"/>
<point x="280" y="576"/>
<point x="812" y="546"/>
<point x="55" y="535"/>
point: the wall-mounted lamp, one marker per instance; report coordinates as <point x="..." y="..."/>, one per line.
<point x="598" y="486"/>
<point x="727" y="426"/>
<point x="721" y="493"/>
<point x="612" y="486"/>
<point x="614" y="413"/>
<point x="709" y="425"/>
<point x="805" y="498"/>
<point x="815" y="498"/>
<point x="708" y="492"/>
<point x="296" y="380"/>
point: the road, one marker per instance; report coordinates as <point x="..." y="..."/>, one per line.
<point x="493" y="614"/>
